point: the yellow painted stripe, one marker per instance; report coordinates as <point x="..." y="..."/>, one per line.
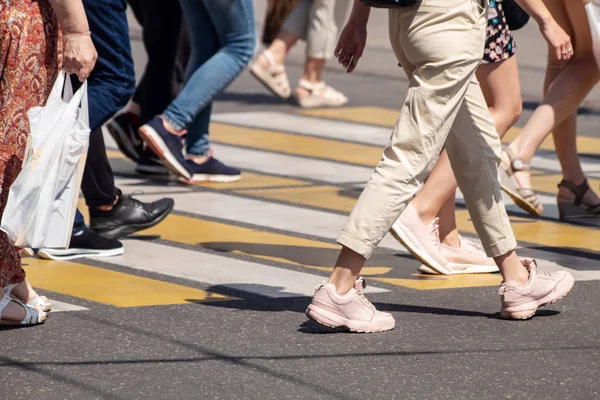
<point x="110" y="287"/>
<point x="387" y="117"/>
<point x="251" y="242"/>
<point x="296" y="144"/>
<point x="424" y="282"/>
<point x="298" y="251"/>
<point x="546" y="233"/>
<point x="547" y="183"/>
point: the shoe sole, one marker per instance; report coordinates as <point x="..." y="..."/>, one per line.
<point x="331" y="320"/>
<point x="546" y="301"/>
<point x="126" y="230"/>
<point x="470" y="269"/>
<point x="160" y="148"/>
<point x="506" y="184"/>
<point x="407" y="239"/>
<point x="212" y="178"/>
<point x="123" y="141"/>
<point x="65" y="255"/>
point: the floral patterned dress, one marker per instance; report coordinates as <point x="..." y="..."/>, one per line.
<point x="500" y="44"/>
<point x="29" y="64"/>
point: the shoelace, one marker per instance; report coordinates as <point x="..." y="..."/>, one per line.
<point x="434" y="235"/>
<point x="366" y="301"/>
<point x="471" y="247"/>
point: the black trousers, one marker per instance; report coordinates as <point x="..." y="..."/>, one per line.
<point x="110" y="86"/>
<point x="167" y="45"/>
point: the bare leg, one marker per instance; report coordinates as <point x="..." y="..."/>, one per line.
<point x="313" y="69"/>
<point x="279" y="48"/>
<point x="565" y="134"/>
<point x="565" y="89"/>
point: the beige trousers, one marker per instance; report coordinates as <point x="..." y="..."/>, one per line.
<point x="315" y="22"/>
<point x="440" y="44"/>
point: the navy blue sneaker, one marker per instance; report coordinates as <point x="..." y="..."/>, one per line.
<point x="167" y="146"/>
<point x="124" y="130"/>
<point x="213" y="170"/>
<point x="150" y="164"/>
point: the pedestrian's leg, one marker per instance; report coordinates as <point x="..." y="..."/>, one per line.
<point x="161" y="33"/>
<point x="269" y="65"/>
<point x="320" y="44"/>
<point x="500" y="85"/>
<point x="98" y="183"/>
<point x="567" y="87"/>
<point x="432" y="103"/>
<point x="233" y="21"/>
<point x="565" y="134"/>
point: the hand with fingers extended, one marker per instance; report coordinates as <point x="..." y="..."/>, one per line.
<point x="351" y="44"/>
<point x="79" y="55"/>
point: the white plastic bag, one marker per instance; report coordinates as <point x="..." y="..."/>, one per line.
<point x="592" y="9"/>
<point x="43" y="199"/>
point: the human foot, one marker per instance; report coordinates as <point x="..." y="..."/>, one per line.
<point x="421" y="240"/>
<point x="14" y="312"/>
<point x="577" y="201"/>
<point x="351" y="310"/>
<point x="515" y="180"/>
<point x="468" y="258"/>
<point x="521" y="301"/>
<point x="271" y="74"/>
<point x="318" y="94"/>
<point x="24" y="292"/>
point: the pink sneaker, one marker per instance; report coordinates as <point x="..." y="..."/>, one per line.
<point x="469" y="258"/>
<point x="542" y="288"/>
<point x="422" y="241"/>
<point x="352" y="310"/>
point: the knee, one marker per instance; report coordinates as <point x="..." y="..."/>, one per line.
<point x="243" y="49"/>
<point x="506" y="115"/>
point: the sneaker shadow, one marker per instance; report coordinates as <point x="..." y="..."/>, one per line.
<point x="246" y="301"/>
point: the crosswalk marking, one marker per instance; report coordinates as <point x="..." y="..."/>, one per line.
<point x="291" y="165"/>
<point x="110" y="287"/>
<point x="327" y="149"/>
<point x="293" y="123"/>
<point x="387" y="118"/>
<point x="59" y="306"/>
<point x="219" y="271"/>
<point x="302" y="175"/>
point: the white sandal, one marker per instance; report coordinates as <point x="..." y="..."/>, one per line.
<point x="32" y="315"/>
<point x="38" y="301"/>
<point x="272" y="77"/>
<point x="321" y="95"/>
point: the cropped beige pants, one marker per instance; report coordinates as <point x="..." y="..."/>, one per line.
<point x="316" y="22"/>
<point x="440" y="44"/>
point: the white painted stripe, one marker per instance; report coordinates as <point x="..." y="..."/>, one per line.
<point x="261" y="213"/>
<point x="294" y="166"/>
<point x="217" y="270"/>
<point x="59" y="306"/>
<point x="320" y="127"/>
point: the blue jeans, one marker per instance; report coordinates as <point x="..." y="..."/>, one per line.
<point x="110" y="86"/>
<point x="223" y="39"/>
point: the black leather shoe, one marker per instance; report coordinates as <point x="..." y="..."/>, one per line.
<point x="128" y="216"/>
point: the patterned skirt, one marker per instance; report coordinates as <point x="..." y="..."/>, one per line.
<point x="29" y="63"/>
<point x="499" y="44"/>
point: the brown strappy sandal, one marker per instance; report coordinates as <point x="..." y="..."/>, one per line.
<point x="523" y="197"/>
<point x="576" y="209"/>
